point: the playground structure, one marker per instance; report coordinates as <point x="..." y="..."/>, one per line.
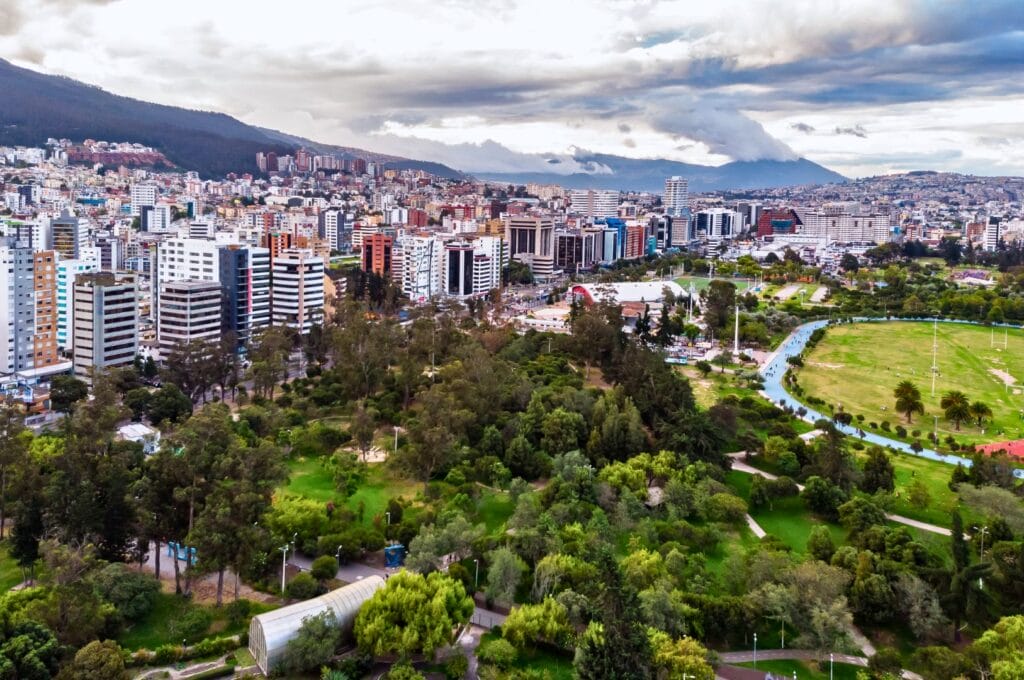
<point x="181" y="553"/>
<point x="394" y="556"/>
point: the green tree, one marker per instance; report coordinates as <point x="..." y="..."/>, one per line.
<point x="504" y="572"/>
<point x="168" y="405"/>
<point x="13" y="453"/>
<point x="918" y="494"/>
<point x="819" y="543"/>
<point x="65" y="392"/>
<point x="324" y="568"/>
<point x="363" y="427"/>
<point x="718" y="301"/>
<point x="908" y="399"/>
<point x="823" y="497"/>
<point x="96" y="661"/>
<point x="132" y="593"/>
<point x="956" y="407"/>
<point x="562" y="431"/>
<point x="980" y="411"/>
<point x="315" y="643"/>
<point x="1003" y="648"/>
<point x="412" y="614"/>
<point x="29" y="651"/>
<point x="530" y="624"/>
<point x="879" y="474"/>
<point x="682" y="658"/>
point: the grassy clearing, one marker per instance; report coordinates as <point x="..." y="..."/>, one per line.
<point x="155" y="629"/>
<point x="10" y="572"/>
<point x="859" y="365"/>
<point x="806" y="670"/>
<point x="702" y="282"/>
<point x="494" y="509"/>
<point x="935" y="477"/>
<point x="550" y="665"/>
<point x="310" y="479"/>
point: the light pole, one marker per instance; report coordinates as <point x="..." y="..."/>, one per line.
<point x="831" y="661"/>
<point x="396" y="438"/>
<point x="337" y="556"/>
<point x="284" y="564"/>
<point x="388" y="515"/>
<point x="755" y="644"/>
<point x="981" y="554"/>
<point x="476" y="579"/>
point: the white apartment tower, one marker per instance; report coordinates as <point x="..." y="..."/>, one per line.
<point x="143" y="195"/>
<point x="677" y="197"/>
<point x="106" y="330"/>
<point x="189" y="310"/>
<point x="297" y="292"/>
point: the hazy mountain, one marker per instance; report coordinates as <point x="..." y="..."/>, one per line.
<point x="634" y="174"/>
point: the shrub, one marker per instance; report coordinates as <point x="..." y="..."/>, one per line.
<point x="238" y="611"/>
<point x="165" y="654"/>
<point x="324" y="568"/>
<point x="498" y="653"/>
<point x="192" y="625"/>
<point x="302" y="587"/>
<point x="456" y="667"/>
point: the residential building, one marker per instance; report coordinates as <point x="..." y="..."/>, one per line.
<point x="297" y="290"/>
<point x="69" y="235"/>
<point x="67" y="272"/>
<point x="377" y="253"/>
<point x="106" y="322"/>
<point x="993" y="233"/>
<point x="594" y="203"/>
<point x="189" y="311"/>
<point x="531" y="241"/>
<point x="421" y="267"/>
<point x="677" y="198"/>
<point x="245" y="290"/>
<point x="142" y="195"/>
<point x="717" y="224"/>
<point x="17" y="308"/>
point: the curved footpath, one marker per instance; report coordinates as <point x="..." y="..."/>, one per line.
<point x="775" y="368"/>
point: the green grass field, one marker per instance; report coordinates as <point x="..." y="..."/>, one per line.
<point x="702" y="282"/>
<point x="310" y="479"/>
<point x="802" y="670"/>
<point x="155" y="629"/>
<point x="859" y="366"/>
<point x="552" y="666"/>
<point x="10" y="572"/>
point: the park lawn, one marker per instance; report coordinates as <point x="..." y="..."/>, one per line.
<point x="736" y="541"/>
<point x="802" y="670"/>
<point x="155" y="629"/>
<point x="935" y="476"/>
<point x="494" y="509"/>
<point x="308" y="478"/>
<point x="859" y="365"/>
<point x="702" y="282"/>
<point x="10" y="572"/>
<point x="551" y="665"/>
<point x="381" y="485"/>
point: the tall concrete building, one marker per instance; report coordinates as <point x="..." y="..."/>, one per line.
<point x="245" y="290"/>
<point x="421" y="267"/>
<point x="531" y="241"/>
<point x="297" y="290"/>
<point x="993" y="234"/>
<point x="69" y="235"/>
<point x="67" y="272"/>
<point x="594" y="203"/>
<point x="45" y="356"/>
<point x="189" y="311"/>
<point x="142" y="195"/>
<point x="377" y="254"/>
<point x="677" y="204"/>
<point x="106" y="326"/>
<point x="28" y="342"/>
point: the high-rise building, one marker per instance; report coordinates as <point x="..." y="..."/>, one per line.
<point x="297" y="290"/>
<point x="421" y="267"/>
<point x="44" y="341"/>
<point x="531" y="241"/>
<point x="67" y="272"/>
<point x="245" y="290"/>
<point x="377" y="253"/>
<point x="574" y="250"/>
<point x="17" y="308"/>
<point x="142" y="195"/>
<point x="106" y="325"/>
<point x="993" y="233"/>
<point x="69" y="235"/>
<point x="594" y="203"/>
<point x="717" y="224"/>
<point x="677" y="198"/>
<point x="156" y="218"/>
<point x="189" y="311"/>
<point x="332" y="227"/>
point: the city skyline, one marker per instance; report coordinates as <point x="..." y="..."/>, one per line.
<point x="863" y="88"/>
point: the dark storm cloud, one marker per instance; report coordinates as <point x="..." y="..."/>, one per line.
<point x="855" y="131"/>
<point x="803" y="127"/>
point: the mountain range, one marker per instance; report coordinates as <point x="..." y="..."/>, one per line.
<point x="35" y="106"/>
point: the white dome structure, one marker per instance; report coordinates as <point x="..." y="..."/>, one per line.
<point x="269" y="633"/>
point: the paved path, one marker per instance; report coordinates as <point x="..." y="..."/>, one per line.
<point x="755" y="527"/>
<point x="740" y="466"/>
<point x="800" y="655"/>
<point x="819" y="295"/>
<point x="775" y="368"/>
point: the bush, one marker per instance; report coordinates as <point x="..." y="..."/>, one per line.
<point x="211" y="647"/>
<point x="238" y="611"/>
<point x="131" y="592"/>
<point x="192" y="625"/>
<point x="302" y="587"/>
<point x="498" y="653"/>
<point x="165" y="654"/>
<point x="456" y="667"/>
<point x="324" y="568"/>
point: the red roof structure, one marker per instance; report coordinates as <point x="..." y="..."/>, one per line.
<point x="1015" y="448"/>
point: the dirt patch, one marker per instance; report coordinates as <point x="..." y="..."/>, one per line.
<point x="1004" y="376"/>
<point x="818" y="364"/>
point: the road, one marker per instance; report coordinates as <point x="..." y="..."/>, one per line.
<point x="740" y="466"/>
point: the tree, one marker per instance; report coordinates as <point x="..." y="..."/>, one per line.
<point x="819" y="543"/>
<point x="314" y="644"/>
<point x="908" y="399"/>
<point x="434" y="431"/>
<point x="187" y="365"/>
<point x="980" y="411"/>
<point x="1003" y="647"/>
<point x="530" y="624"/>
<point x="13" y="453"/>
<point x="65" y="392"/>
<point x="918" y="494"/>
<point x="96" y="661"/>
<point x="168" y="405"/>
<point x="964" y="596"/>
<point x="859" y="514"/>
<point x="562" y="431"/>
<point x="823" y="497"/>
<point x="324" y="568"/>
<point x="504" y="573"/>
<point x="956" y="407"/>
<point x="29" y="651"/>
<point x="718" y="301"/>
<point x="302" y="586"/>
<point x="703" y="367"/>
<point x="363" y="427"/>
<point x="849" y="263"/>
<point x="879" y="474"/>
<point x="132" y="593"/>
<point x="412" y="614"/>
<point x="682" y="658"/>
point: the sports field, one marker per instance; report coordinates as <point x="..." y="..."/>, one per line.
<point x="702" y="282"/>
<point x="859" y="365"/>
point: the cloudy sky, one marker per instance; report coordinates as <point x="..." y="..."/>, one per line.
<point x="505" y="85"/>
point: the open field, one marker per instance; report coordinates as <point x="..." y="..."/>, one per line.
<point x="157" y="627"/>
<point x="859" y="365"/>
<point x="310" y="479"/>
<point x="702" y="282"/>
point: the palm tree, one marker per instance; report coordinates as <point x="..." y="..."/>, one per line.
<point x="956" y="407"/>
<point x="908" y="399"/>
<point x="980" y="411"/>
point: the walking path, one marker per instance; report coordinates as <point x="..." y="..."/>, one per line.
<point x="740" y="466"/>
<point x="755" y="527"/>
<point x="800" y="655"/>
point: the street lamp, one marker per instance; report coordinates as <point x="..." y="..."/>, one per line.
<point x="388" y="516"/>
<point x="476" y="579"/>
<point x="831" y="661"/>
<point x="284" y="564"/>
<point x="396" y="438"/>
<point x="755" y="644"/>
<point x="337" y="556"/>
